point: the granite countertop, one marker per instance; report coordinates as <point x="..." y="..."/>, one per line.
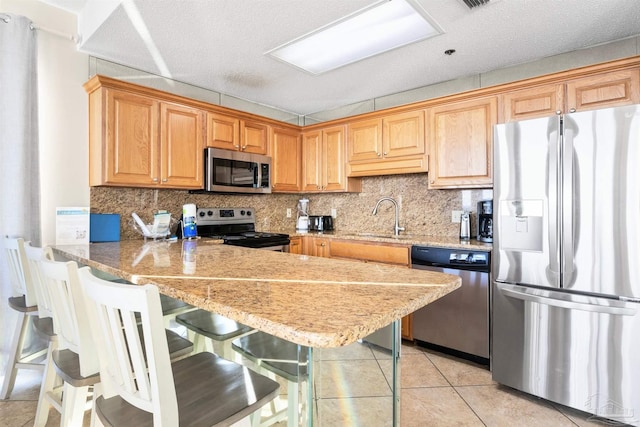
<point x="312" y="301"/>
<point x="405" y="239"/>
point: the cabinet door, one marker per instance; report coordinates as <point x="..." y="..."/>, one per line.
<point x="605" y="90"/>
<point x="182" y="142"/>
<point x="285" y="161"/>
<point x="407" y="327"/>
<point x="312" y="161"/>
<point x="461" y="144"/>
<point x="320" y="247"/>
<point x="403" y="134"/>
<point x="295" y="245"/>
<point x="223" y="131"/>
<point x="541" y="101"/>
<point x="254" y="137"/>
<point x="333" y="159"/>
<point x="365" y="140"/>
<point x="132" y="156"/>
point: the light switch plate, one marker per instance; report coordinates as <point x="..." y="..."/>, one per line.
<point x="334" y="212"/>
<point x="455" y="216"/>
<point x="288" y="212"/>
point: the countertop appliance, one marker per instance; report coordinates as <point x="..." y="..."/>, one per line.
<point x="320" y="223"/>
<point x="566" y="296"/>
<point x="484" y="221"/>
<point x="457" y="323"/>
<point x="227" y="171"/>
<point x="236" y="226"/>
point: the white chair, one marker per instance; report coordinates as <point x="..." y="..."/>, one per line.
<point x="203" y="390"/>
<point x="75" y="359"/>
<point x="23" y="301"/>
<point x="51" y="387"/>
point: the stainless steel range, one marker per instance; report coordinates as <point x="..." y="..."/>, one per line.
<point x="237" y="226"/>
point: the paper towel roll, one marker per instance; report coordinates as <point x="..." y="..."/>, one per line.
<point x="189" y="221"/>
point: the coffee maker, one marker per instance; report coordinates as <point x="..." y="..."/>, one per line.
<point x="485" y="221"/>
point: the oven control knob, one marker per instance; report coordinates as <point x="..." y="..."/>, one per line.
<point x="248" y="213"/>
<point x="242" y="213"/>
<point x="201" y="213"/>
<point x="210" y="213"/>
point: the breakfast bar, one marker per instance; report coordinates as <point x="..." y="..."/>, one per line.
<point x="316" y="303"/>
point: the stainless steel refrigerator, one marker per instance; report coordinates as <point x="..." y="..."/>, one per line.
<point x="566" y="260"/>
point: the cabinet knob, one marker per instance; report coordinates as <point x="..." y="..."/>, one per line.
<point x="378" y="154"/>
<point x="385" y="153"/>
<point x="323" y="244"/>
<point x="244" y="146"/>
<point x="155" y="179"/>
<point x="572" y="110"/>
<point x="164" y="179"/>
<point x="318" y="187"/>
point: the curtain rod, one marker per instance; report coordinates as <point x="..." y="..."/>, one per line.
<point x="73" y="37"/>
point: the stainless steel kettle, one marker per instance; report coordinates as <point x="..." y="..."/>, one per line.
<point x="465" y="231"/>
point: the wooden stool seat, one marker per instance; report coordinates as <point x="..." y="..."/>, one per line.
<point x="210" y="391"/>
<point x="208" y="330"/>
<point x="18" y="304"/>
<point x="274" y="354"/>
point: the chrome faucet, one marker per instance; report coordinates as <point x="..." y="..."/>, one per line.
<point x="397" y="229"/>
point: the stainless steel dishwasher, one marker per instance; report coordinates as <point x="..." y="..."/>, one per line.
<point x="457" y="323"/>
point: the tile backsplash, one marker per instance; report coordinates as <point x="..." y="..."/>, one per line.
<point x="422" y="211"/>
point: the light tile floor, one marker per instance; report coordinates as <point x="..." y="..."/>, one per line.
<point x="353" y="390"/>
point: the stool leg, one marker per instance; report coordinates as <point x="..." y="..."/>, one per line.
<point x="47" y="386"/>
<point x="74" y="405"/>
<point x="292" y="404"/>
<point x="11" y="370"/>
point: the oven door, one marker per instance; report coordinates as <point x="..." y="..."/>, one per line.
<point x="236" y="172"/>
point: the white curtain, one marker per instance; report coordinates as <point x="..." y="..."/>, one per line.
<point x="19" y="165"/>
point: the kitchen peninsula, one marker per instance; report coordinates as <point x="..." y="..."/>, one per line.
<point x="313" y="302"/>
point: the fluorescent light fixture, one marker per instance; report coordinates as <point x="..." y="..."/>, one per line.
<point x="384" y="26"/>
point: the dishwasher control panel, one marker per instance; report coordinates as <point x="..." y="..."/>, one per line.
<point x="465" y="259"/>
<point x="476" y="258"/>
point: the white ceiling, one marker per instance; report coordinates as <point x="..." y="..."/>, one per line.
<point x="220" y="44"/>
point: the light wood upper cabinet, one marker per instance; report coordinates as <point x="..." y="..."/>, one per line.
<point x="144" y="142"/>
<point x="286" y="164"/>
<point x="586" y="93"/>
<point x="540" y="101"/>
<point x="181" y="146"/>
<point x="461" y="141"/>
<point x="324" y="161"/>
<point x="128" y="153"/>
<point x="254" y="137"/>
<point x="223" y="131"/>
<point x="605" y="90"/>
<point x="231" y="133"/>
<point x="387" y="145"/>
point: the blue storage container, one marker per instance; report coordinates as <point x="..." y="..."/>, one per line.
<point x="104" y="228"/>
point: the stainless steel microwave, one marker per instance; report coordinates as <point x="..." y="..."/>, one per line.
<point x="227" y="171"/>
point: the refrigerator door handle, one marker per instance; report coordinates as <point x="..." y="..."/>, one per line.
<point x="553" y="194"/>
<point x="547" y="298"/>
<point x="567" y="211"/>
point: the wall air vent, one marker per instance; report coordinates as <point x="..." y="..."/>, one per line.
<point x="475" y="3"/>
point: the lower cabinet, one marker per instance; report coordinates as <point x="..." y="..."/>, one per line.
<point x="365" y="251"/>
<point x="295" y="245"/>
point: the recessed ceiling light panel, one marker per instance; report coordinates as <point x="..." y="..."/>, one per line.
<point x="384" y="26"/>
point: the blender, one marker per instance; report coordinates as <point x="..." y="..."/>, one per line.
<point x="303" y="215"/>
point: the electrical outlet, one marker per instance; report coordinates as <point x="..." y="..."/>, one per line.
<point x="289" y="213"/>
<point x="455" y="216"/>
<point x="334" y="212"/>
